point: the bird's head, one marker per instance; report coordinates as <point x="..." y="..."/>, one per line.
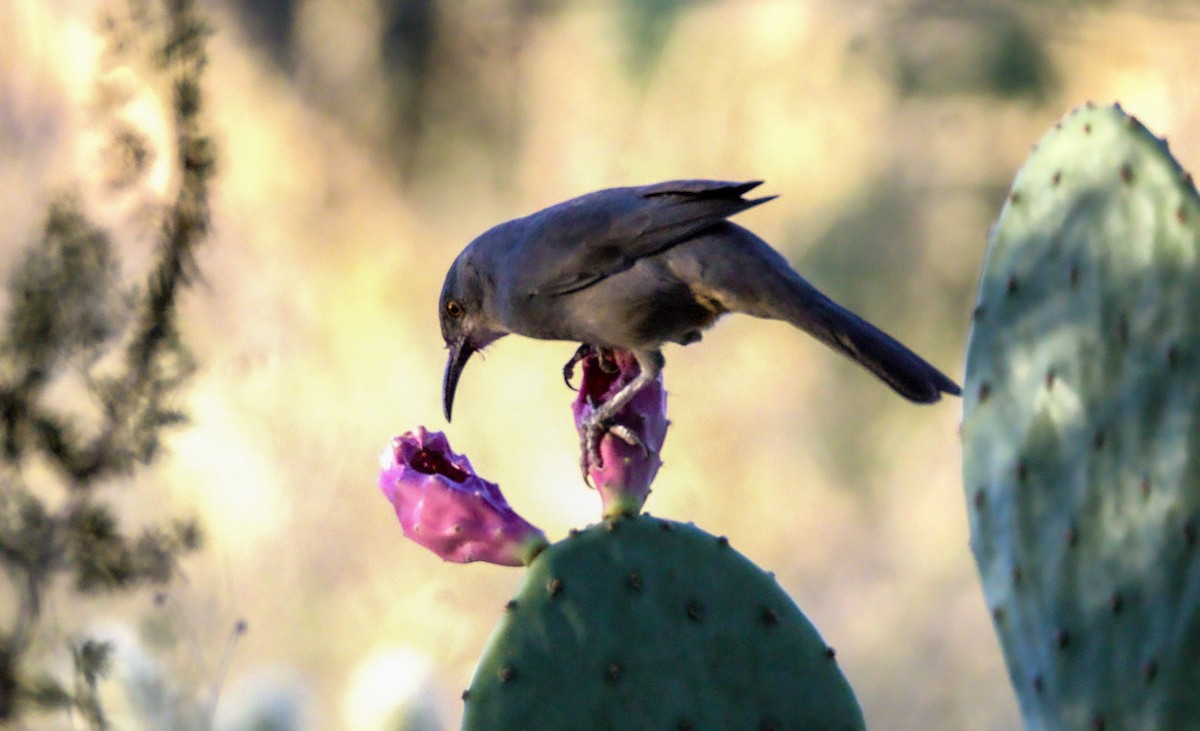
<point x="467" y="323"/>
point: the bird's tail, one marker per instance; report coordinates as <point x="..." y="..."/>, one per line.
<point x="889" y="359"/>
<point x="754" y="279"/>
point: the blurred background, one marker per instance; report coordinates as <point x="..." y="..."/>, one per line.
<point x="360" y="144"/>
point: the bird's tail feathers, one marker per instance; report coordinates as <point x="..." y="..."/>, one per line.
<point x="881" y="354"/>
<point x="739" y="271"/>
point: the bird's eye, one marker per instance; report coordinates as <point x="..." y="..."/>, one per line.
<point x="454" y="309"/>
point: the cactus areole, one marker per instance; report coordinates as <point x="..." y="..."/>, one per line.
<point x="1081" y="430"/>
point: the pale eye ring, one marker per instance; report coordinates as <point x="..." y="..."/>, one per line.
<point x="454" y="309"/>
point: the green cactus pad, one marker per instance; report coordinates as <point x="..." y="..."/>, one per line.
<point x="643" y="623"/>
<point x="1081" y="430"/>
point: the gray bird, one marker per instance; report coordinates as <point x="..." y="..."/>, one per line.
<point x="634" y="268"/>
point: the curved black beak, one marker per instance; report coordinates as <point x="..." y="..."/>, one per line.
<point x="460" y="351"/>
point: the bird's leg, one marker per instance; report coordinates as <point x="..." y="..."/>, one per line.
<point x="600" y="421"/>
<point x="583" y="351"/>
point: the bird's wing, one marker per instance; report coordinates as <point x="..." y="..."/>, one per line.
<point x="575" y="244"/>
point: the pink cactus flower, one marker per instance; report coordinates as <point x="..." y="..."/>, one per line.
<point x="626" y="470"/>
<point x="443" y="505"/>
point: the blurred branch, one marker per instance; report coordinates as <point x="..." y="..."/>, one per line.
<point x="70" y="319"/>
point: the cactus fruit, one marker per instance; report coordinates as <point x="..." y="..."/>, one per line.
<point x="625" y="470"/>
<point x="643" y="623"/>
<point x="444" y="506"/>
<point x="1081" y="430"/>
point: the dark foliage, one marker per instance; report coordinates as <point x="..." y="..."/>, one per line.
<point x="74" y="327"/>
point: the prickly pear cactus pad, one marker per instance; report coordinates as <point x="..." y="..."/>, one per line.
<point x="1081" y="430"/>
<point x="643" y="623"/>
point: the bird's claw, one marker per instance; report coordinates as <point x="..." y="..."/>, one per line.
<point x="604" y="359"/>
<point x="593" y="432"/>
<point x="580" y="353"/>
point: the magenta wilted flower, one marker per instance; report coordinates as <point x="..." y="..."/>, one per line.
<point x="443" y="505"/>
<point x="626" y="470"/>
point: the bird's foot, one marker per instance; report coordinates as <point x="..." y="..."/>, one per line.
<point x="604" y="358"/>
<point x="580" y="353"/>
<point x="593" y="432"/>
